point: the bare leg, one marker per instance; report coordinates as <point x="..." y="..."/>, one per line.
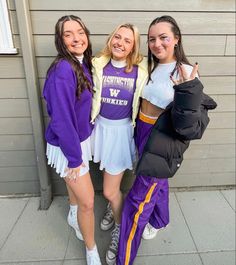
<point x="83" y="191"/>
<point x="72" y="197"/>
<point x="111" y="190"/>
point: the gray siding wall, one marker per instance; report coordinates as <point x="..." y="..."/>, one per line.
<point x="208" y="29"/>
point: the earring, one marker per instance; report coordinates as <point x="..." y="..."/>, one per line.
<point x="176" y="45"/>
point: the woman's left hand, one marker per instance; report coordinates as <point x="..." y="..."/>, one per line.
<point x="183" y="75"/>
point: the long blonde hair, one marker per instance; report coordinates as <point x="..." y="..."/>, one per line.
<point x="135" y="57"/>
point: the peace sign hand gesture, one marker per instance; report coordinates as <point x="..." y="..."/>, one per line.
<point x="183" y="75"/>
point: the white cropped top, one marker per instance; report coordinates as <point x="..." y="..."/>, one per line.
<point x="159" y="91"/>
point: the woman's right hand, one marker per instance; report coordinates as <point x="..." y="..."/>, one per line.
<point x="73" y="173"/>
<point x="184" y="76"/>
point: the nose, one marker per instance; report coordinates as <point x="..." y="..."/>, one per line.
<point x="120" y="42"/>
<point x="75" y="37"/>
<point x="157" y="42"/>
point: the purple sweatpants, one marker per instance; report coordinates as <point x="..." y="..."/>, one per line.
<point x="147" y="201"/>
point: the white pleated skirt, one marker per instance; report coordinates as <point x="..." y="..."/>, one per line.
<point x="113" y="145"/>
<point x="57" y="159"/>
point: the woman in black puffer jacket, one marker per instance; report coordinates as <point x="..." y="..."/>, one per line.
<point x="174" y="110"/>
<point x="183" y="120"/>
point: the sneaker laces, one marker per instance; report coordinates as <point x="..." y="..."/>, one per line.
<point x="108" y="214"/>
<point x="115" y="234"/>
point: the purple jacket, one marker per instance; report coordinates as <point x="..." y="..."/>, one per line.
<point x="70" y="116"/>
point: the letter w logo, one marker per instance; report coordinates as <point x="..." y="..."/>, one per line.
<point x="114" y="92"/>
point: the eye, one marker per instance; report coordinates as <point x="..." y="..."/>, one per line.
<point x="165" y="38"/>
<point x="67" y="35"/>
<point x="151" y="40"/>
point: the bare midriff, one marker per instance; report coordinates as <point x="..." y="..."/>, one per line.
<point x="149" y="109"/>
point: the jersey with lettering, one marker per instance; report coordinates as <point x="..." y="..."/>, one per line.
<point x="117" y="92"/>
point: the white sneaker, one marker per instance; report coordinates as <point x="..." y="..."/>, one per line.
<point x="108" y="219"/>
<point x="92" y="257"/>
<point x="149" y="232"/>
<point x="113" y="247"/>
<point x="72" y="221"/>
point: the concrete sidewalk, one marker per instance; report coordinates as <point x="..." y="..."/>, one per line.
<point x="201" y="232"/>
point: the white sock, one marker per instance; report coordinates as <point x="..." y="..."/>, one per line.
<point x="73" y="209"/>
<point x="94" y="249"/>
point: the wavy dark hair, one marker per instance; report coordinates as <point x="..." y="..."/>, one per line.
<point x="178" y="50"/>
<point x="64" y="53"/>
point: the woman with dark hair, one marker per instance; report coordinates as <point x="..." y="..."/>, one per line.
<point x="173" y="111"/>
<point x="68" y="93"/>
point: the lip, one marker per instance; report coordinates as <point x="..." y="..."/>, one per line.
<point x="77" y="45"/>
<point x="118" y="49"/>
<point x="158" y="51"/>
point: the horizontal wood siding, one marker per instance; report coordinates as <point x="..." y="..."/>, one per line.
<point x="208" y="29"/>
<point x="225" y="65"/>
<point x="18" y="172"/>
<point x="135" y="5"/>
<point x="194" y="46"/>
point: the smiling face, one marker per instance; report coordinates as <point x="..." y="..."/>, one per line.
<point x="162" y="41"/>
<point x="75" y="37"/>
<point x="122" y="44"/>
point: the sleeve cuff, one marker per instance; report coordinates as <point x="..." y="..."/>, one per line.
<point x="75" y="164"/>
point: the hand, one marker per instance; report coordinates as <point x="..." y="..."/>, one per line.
<point x="183" y="75"/>
<point x="73" y="173"/>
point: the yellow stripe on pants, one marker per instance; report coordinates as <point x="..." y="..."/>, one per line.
<point x="134" y="226"/>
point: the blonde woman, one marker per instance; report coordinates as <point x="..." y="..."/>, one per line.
<point x="119" y="74"/>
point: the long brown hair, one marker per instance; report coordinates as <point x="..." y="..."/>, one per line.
<point x="64" y="53"/>
<point x="178" y="50"/>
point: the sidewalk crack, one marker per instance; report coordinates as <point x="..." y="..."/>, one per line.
<point x="227" y="200"/>
<point x="14" y="224"/>
<point x="185" y="220"/>
<point x="68" y="240"/>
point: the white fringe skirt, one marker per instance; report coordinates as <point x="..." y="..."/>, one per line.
<point x="57" y="159"/>
<point x="113" y="144"/>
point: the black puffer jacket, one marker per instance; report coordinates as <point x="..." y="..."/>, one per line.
<point x="184" y="119"/>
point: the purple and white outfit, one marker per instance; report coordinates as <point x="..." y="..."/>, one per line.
<point x="112" y="136"/>
<point x="148" y="199"/>
<point x="68" y="132"/>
